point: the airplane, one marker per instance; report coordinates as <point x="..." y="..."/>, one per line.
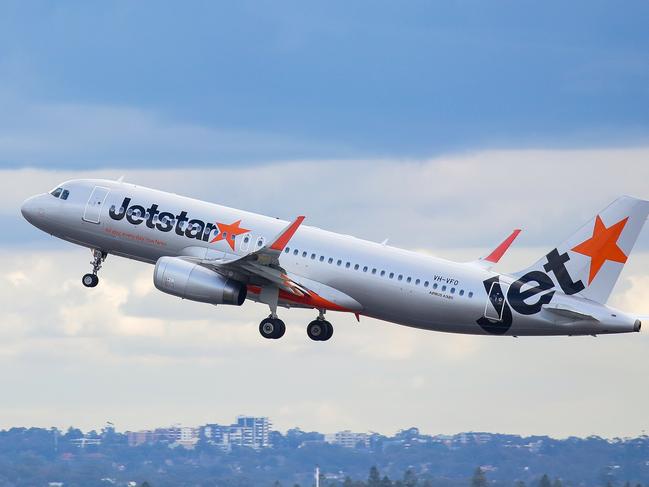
<point x="214" y="254"/>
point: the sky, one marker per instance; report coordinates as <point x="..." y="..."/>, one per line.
<point x="439" y="125"/>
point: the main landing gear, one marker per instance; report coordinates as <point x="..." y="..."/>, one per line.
<point x="98" y="258"/>
<point x="272" y="328"/>
<point x="319" y="330"/>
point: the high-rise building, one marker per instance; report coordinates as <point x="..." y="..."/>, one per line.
<point x="349" y="439"/>
<point x="248" y="431"/>
<point x="255" y="431"/>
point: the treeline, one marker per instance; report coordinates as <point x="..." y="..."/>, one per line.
<point x="36" y="456"/>
<point x="410" y="479"/>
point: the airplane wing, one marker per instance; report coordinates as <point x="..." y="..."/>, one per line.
<point x="260" y="267"/>
<point x="488" y="261"/>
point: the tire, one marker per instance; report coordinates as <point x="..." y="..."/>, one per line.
<point x="272" y="328"/>
<point x="330" y="331"/>
<point x="268" y="328"/>
<point x="90" y="280"/>
<point x="317" y="330"/>
<point x="281" y="329"/>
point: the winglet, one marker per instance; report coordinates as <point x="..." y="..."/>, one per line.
<point x="493" y="258"/>
<point x="499" y="251"/>
<point x="286" y="235"/>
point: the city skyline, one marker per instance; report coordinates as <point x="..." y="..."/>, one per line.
<point x="439" y="126"/>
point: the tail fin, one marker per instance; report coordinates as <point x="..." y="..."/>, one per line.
<point x="590" y="261"/>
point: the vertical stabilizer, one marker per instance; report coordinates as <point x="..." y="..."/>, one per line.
<point x="590" y="261"/>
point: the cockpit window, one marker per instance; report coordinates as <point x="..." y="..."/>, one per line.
<point x="57" y="192"/>
<point x="65" y="194"/>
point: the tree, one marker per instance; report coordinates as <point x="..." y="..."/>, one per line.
<point x="374" y="479"/>
<point x="386" y="482"/>
<point x="409" y="479"/>
<point x="479" y="479"/>
<point x="545" y="481"/>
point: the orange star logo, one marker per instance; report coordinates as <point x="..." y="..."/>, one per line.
<point x="602" y="246"/>
<point x="229" y="232"/>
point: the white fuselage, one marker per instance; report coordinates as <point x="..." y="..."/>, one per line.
<point x="383" y="282"/>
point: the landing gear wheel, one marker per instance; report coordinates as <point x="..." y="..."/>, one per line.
<point x="90" y="280"/>
<point x="330" y="331"/>
<point x="272" y="328"/>
<point x="320" y="330"/>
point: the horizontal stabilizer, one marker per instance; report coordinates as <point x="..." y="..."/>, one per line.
<point x="567" y="312"/>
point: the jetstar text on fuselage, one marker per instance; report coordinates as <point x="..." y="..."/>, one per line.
<point x="164" y="221"/>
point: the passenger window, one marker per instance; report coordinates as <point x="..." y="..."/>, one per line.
<point x="365" y="269"/>
<point x="65" y="194"/>
<point x="57" y="192"/>
<point x="347" y="265"/>
<point x="356" y="267"/>
<point x="409" y="279"/>
<point x="246" y="239"/>
<point x="304" y="254"/>
<point x="374" y="271"/>
<point x="322" y="258"/>
<point x="295" y="252"/>
<point x="417" y="282"/>
<point x="391" y="275"/>
<point x="435" y="285"/>
<point x="452" y="290"/>
<point x="400" y="277"/>
<point x="382" y="273"/>
<point x="312" y="256"/>
<point x="425" y="283"/>
<point x="260" y="242"/>
<point x="287" y="250"/>
<point x="443" y="288"/>
<point x="461" y="292"/>
<point x="330" y="260"/>
<point x="339" y="262"/>
<point x="470" y="294"/>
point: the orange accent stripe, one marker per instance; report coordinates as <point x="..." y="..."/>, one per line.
<point x="311" y="299"/>
<point x="502" y="248"/>
<point x="284" y="238"/>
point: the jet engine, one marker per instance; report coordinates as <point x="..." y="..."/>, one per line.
<point x="188" y="280"/>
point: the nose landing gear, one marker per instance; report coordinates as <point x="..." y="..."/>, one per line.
<point x="91" y="279"/>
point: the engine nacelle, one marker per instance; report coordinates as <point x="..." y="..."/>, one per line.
<point x="192" y="281"/>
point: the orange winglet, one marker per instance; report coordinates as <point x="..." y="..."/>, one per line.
<point x="287" y="234"/>
<point x="502" y="248"/>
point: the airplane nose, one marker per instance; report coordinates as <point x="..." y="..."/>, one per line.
<point x="30" y="209"/>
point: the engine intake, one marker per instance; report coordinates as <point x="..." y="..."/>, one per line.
<point x="188" y="280"/>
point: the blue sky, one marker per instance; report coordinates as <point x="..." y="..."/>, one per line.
<point x="334" y="79"/>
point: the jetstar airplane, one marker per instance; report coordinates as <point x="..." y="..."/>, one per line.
<point x="214" y="254"/>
